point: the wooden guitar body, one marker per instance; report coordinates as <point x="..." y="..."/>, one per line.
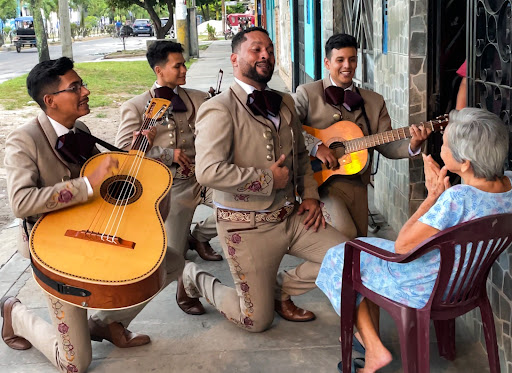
<point x="350" y="163"/>
<point x="126" y="265"/>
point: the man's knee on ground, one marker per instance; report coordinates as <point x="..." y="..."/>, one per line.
<point x="258" y="324"/>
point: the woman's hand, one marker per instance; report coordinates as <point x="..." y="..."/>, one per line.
<point x="436" y="180"/>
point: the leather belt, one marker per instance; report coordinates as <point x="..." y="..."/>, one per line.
<point x="276" y="216"/>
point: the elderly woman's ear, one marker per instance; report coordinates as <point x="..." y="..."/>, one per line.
<point x="465" y="166"/>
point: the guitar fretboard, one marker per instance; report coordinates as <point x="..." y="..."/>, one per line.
<point x="381" y="138"/>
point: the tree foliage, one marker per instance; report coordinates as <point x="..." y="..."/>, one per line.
<point x="153" y="7"/>
<point x="7" y="9"/>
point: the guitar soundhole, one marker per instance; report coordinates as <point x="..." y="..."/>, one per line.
<point x="121" y="190"/>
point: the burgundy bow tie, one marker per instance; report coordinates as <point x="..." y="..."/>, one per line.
<point x="338" y="96"/>
<point x="264" y="103"/>
<point x="75" y="147"/>
<point x="177" y="103"/>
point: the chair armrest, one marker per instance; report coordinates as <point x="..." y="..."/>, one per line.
<point x="414" y="254"/>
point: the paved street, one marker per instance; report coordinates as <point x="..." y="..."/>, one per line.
<point x="209" y="343"/>
<point x="13" y="64"/>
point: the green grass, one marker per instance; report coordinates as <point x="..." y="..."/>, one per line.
<point x="110" y="82"/>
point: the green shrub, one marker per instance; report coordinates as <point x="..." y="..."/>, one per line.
<point x="211" y="32"/>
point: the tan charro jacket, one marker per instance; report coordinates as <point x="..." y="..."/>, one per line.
<point x="314" y="111"/>
<point x="235" y="149"/>
<point x="178" y="133"/>
<point x="39" y="180"/>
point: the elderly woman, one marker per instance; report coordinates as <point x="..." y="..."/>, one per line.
<point x="475" y="147"/>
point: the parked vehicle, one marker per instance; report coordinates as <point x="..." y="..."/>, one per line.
<point x="171" y="30"/>
<point x="240" y="21"/>
<point x="25" y="33"/>
<point x="142" y="26"/>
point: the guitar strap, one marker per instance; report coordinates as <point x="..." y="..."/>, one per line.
<point x="364" y="114"/>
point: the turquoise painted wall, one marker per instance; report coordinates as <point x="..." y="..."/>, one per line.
<point x="309" y="28"/>
<point x="271" y="20"/>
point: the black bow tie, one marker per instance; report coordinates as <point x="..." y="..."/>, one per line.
<point x="177" y="103"/>
<point x="338" y="96"/>
<point x="264" y="103"/>
<point x="75" y="147"/>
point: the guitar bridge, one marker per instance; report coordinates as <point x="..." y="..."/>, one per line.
<point x="97" y="237"/>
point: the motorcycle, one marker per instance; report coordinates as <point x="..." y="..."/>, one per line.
<point x="228" y="34"/>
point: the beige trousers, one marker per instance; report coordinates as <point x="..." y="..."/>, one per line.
<point x="65" y="342"/>
<point x="254" y="252"/>
<point x="185" y="197"/>
<point x="345" y="206"/>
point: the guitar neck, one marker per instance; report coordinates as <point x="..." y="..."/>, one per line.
<point x="371" y="141"/>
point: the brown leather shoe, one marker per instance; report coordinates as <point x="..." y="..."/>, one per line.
<point x="117" y="334"/>
<point x="11" y="340"/>
<point x="192" y="306"/>
<point x="289" y="311"/>
<point x="204" y="250"/>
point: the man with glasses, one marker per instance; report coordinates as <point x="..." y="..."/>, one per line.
<point x="41" y="179"/>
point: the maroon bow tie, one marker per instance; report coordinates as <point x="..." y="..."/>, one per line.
<point x="75" y="147"/>
<point x="177" y="103"/>
<point x="338" y="96"/>
<point x="264" y="103"/>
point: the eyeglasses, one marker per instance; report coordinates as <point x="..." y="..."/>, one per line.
<point x="76" y="88"/>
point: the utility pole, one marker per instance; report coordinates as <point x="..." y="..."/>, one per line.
<point x="223" y="18"/>
<point x="65" y="29"/>
<point x="182" y="30"/>
<point x="192" y="28"/>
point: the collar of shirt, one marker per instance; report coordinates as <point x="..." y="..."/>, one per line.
<point x="350" y="88"/>
<point x="175" y="90"/>
<point x="247" y="87"/>
<point x="59" y="128"/>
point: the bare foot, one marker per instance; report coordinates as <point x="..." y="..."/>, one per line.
<point x="376" y="359"/>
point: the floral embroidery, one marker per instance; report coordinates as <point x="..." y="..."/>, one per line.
<point x="309" y="141"/>
<point x="185" y="172"/>
<point x="166" y="156"/>
<point x="241" y="197"/>
<point x="64" y="195"/>
<point x="326" y="214"/>
<point x="63" y="329"/>
<point x="259" y="185"/>
<point x="245" y="319"/>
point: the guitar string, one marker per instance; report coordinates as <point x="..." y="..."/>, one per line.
<point x="100" y="215"/>
<point x="142" y="144"/>
<point x="138" y="158"/>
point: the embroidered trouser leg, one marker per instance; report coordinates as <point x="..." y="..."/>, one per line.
<point x="207" y="229"/>
<point x="254" y="252"/>
<point x="174" y="266"/>
<point x="185" y="197"/>
<point x="66" y="342"/>
<point x="346" y="206"/>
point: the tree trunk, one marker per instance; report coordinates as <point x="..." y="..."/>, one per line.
<point x="65" y="29"/>
<point x="42" y="40"/>
<point x="204" y="14"/>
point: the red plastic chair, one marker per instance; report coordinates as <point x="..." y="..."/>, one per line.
<point x="446" y="302"/>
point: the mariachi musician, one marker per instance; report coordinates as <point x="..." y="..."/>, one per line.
<point x="324" y="102"/>
<point x="42" y="179"/>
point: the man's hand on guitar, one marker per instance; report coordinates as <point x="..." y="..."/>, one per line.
<point x="315" y="218"/>
<point x="181" y="158"/>
<point x="419" y="135"/>
<point x="150" y="136"/>
<point x="327" y="156"/>
<point x="280" y="173"/>
<point x="104" y="168"/>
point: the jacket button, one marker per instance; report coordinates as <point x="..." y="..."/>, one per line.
<point x="171" y="126"/>
<point x="336" y="117"/>
<point x="270" y="146"/>
<point x="267" y="135"/>
<point x="66" y="178"/>
<point x="269" y="157"/>
<point x="171" y="142"/>
<point x="171" y="134"/>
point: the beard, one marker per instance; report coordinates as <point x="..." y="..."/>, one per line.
<point x="252" y="73"/>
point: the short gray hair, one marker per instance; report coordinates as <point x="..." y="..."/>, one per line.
<point x="480" y="137"/>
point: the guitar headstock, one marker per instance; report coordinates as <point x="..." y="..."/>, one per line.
<point x="156" y="108"/>
<point x="439" y="124"/>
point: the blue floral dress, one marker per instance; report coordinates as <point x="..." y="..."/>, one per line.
<point x="412" y="283"/>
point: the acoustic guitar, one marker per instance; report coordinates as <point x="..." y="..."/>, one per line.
<point x="108" y="253"/>
<point x="351" y="146"/>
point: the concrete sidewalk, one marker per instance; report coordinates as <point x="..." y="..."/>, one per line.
<point x="209" y="343"/>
